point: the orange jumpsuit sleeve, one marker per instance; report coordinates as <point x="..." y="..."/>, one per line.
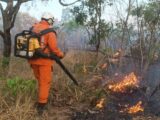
<point x="52" y="43"/>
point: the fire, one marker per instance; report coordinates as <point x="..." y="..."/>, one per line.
<point x="100" y="104"/>
<point x="136" y="108"/>
<point x="129" y="81"/>
<point x="104" y="66"/>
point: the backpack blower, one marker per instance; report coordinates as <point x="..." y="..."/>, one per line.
<point x="27" y="46"/>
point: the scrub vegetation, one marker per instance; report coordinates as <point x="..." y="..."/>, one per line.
<point x="19" y="88"/>
<point x="99" y="50"/>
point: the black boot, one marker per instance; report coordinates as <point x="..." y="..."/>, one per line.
<point x="40" y="108"/>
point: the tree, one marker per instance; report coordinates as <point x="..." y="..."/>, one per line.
<point x="89" y="14"/>
<point x="9" y="15"/>
<point x="148" y="24"/>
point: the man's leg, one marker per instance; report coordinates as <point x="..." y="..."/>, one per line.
<point x="36" y="71"/>
<point x="45" y="77"/>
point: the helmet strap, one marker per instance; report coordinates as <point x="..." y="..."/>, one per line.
<point x="50" y="21"/>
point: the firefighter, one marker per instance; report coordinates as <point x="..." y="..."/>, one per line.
<point x="42" y="67"/>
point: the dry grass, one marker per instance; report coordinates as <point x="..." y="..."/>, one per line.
<point x="63" y="92"/>
<point x="64" y="97"/>
<point x="18" y="110"/>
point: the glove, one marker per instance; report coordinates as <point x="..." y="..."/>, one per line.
<point x="62" y="56"/>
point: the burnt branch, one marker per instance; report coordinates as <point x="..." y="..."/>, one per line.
<point x="1" y="8"/>
<point x="16" y="0"/>
<point x="9" y="6"/>
<point x="3" y="0"/>
<point x="14" y="12"/>
<point x="23" y="1"/>
<point x="1" y="34"/>
<point x="67" y="4"/>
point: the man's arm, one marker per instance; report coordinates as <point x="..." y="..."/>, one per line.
<point x="52" y="43"/>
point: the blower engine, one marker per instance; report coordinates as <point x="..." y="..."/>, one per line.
<point x="25" y="44"/>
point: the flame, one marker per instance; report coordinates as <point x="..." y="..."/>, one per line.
<point x="100" y="104"/>
<point x="104" y="66"/>
<point x="136" y="108"/>
<point x="129" y="81"/>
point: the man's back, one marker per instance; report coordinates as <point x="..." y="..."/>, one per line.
<point x="43" y="43"/>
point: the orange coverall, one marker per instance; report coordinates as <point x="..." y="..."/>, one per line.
<point x="42" y="67"/>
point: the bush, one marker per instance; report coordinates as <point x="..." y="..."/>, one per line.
<point x="18" y="85"/>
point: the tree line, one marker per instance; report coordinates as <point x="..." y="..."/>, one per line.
<point x="139" y="38"/>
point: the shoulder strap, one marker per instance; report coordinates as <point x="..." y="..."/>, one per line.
<point x="43" y="32"/>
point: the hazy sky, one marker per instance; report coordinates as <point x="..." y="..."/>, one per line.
<point x="37" y="8"/>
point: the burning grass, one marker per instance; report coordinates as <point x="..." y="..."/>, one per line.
<point x="129" y="81"/>
<point x="101" y="103"/>
<point x="129" y="86"/>
<point x="136" y="108"/>
<point x="65" y="98"/>
<point x="123" y="99"/>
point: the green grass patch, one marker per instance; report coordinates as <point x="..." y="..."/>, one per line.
<point x="18" y="85"/>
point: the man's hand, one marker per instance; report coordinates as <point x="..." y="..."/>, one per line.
<point x="63" y="55"/>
